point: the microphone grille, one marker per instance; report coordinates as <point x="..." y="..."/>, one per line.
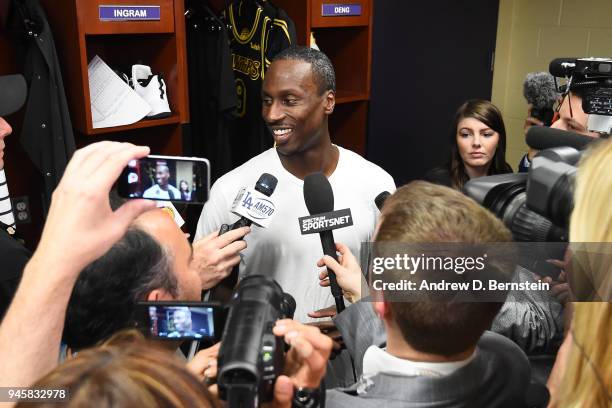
<point x="266" y="184"/>
<point x="318" y="193"/>
<point x="380" y="199"/>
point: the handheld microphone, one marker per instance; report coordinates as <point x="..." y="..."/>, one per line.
<point x="319" y="199"/>
<point x="540" y="91"/>
<point x="253" y="207"/>
<point x="380" y="199"/>
<point x="541" y="138"/>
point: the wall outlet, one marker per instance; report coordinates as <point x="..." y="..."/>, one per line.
<point x="21" y="209"/>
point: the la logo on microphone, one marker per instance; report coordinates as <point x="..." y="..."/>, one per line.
<point x="255" y="206"/>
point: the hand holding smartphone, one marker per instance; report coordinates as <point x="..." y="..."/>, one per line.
<point x="166" y="178"/>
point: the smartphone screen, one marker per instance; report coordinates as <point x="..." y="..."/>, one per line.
<point x="181" y="321"/>
<point x="167" y="178"/>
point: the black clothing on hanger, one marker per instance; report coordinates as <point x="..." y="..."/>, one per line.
<point x="258" y="32"/>
<point x="212" y="93"/>
<point x="46" y="134"/>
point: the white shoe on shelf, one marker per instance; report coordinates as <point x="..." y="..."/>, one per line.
<point x="152" y="88"/>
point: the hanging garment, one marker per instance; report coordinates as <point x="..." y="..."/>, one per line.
<point x="46" y="134"/>
<point x="259" y="31"/>
<point x="212" y="92"/>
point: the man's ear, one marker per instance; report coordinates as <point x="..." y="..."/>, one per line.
<point x="330" y="102"/>
<point x="382" y="309"/>
<point x="158" y="294"/>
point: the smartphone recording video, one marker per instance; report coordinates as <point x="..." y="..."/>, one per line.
<point x="167" y="178"/>
<point x="181" y="322"/>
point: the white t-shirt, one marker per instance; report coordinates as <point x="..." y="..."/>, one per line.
<point x="156" y="191"/>
<point x="281" y="251"/>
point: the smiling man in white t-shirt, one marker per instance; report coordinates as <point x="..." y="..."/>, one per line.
<point x="298" y="97"/>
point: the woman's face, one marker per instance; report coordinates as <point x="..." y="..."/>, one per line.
<point x="476" y="142"/>
<point x="183" y="186"/>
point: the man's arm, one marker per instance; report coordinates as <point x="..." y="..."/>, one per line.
<point x="532" y="319"/>
<point x="72" y="238"/>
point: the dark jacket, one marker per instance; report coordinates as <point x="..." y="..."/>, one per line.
<point x="439" y="175"/>
<point x="47" y="133"/>
<point x="14" y="257"/>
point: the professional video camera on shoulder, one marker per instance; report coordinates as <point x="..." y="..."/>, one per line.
<point x="536" y="206"/>
<point x="591" y="78"/>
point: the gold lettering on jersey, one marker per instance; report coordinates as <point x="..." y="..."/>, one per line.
<point x="255" y="47"/>
<point x="247" y="66"/>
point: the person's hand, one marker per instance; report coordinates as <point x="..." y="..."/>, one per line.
<point x="328" y="328"/>
<point x="329" y="311"/>
<point x="215" y="255"/>
<point x="81" y="226"/>
<point x="559" y="288"/>
<point x="305" y="362"/>
<point x="347" y="270"/>
<point x="529" y="122"/>
<point x="204" y="366"/>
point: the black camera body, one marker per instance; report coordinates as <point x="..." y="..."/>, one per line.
<point x="251" y="357"/>
<point x="593" y="77"/>
<point x="536" y="206"/>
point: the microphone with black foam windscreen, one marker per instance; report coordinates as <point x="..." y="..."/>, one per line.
<point x="319" y="198"/>
<point x="266" y="186"/>
<point x="541" y="138"/>
<point x="540" y="92"/>
<point x="380" y="199"/>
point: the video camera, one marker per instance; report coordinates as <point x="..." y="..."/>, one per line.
<point x="251" y="356"/>
<point x="535" y="206"/>
<point x="592" y="77"/>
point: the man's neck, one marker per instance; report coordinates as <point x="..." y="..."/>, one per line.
<point x="397" y="347"/>
<point x="323" y="158"/>
<point x="163" y="186"/>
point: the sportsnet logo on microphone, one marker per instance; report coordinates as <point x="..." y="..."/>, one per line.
<point x="332" y="220"/>
<point x="255" y="206"/>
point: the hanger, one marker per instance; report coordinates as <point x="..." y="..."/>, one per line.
<point x="211" y="21"/>
<point x="32" y="23"/>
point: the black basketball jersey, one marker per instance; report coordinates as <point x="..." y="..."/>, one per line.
<point x="258" y="32"/>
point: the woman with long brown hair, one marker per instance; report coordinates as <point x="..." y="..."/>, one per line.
<point x="478" y="145"/>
